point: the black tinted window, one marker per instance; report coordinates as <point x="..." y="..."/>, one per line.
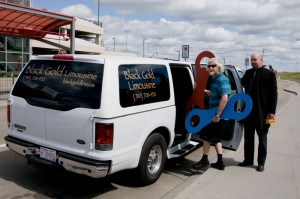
<point x="61" y="85"/>
<point x="143" y="84"/>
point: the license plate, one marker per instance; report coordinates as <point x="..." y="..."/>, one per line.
<point x="48" y="154"/>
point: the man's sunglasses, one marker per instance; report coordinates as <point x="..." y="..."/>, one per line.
<point x="211" y="66"/>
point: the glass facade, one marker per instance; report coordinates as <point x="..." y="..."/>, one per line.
<point x="14" y="52"/>
<point x="22" y="2"/>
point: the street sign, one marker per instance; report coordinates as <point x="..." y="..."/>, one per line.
<point x="185" y="51"/>
<point x="246" y="61"/>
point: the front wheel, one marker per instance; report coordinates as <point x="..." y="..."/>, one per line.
<point x="152" y="160"/>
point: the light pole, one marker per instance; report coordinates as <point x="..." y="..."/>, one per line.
<point x="223" y="61"/>
<point x="178" y="54"/>
<point x="126" y="31"/>
<point x="144" y="46"/>
<point x="263" y="51"/>
<point x="114" y="43"/>
<point x="148" y="48"/>
<point x="98" y="12"/>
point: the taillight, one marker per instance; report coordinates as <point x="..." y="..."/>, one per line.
<point x="104" y="135"/>
<point x="8" y="115"/>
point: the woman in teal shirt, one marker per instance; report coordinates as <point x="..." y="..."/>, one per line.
<point x="218" y="97"/>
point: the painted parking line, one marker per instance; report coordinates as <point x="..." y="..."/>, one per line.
<point x="2" y="145"/>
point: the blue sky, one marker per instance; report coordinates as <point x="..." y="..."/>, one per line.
<point x="231" y="29"/>
<point x="58" y="5"/>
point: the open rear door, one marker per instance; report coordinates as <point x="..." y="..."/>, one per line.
<point x="234" y="131"/>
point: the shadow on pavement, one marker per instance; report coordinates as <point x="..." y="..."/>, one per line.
<point x="52" y="182"/>
<point x="56" y="183"/>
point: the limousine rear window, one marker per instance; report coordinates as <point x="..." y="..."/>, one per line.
<point x="61" y="85"/>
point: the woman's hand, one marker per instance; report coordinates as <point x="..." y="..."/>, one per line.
<point x="216" y="118"/>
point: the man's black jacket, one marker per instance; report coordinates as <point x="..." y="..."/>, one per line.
<point x="265" y="100"/>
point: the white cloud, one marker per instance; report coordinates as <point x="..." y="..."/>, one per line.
<point x="219" y="34"/>
<point x="231" y="29"/>
<point x="79" y="10"/>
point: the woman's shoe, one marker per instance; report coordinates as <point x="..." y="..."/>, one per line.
<point x="218" y="165"/>
<point x="201" y="164"/>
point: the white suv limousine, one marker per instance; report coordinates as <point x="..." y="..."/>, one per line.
<point x="97" y="115"/>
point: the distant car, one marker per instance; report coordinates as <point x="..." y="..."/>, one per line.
<point x="270" y="67"/>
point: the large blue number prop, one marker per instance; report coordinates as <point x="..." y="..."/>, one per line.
<point x="206" y="116"/>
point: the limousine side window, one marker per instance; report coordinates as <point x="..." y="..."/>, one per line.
<point x="143" y="84"/>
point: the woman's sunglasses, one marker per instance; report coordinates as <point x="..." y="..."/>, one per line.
<point x="211" y="66"/>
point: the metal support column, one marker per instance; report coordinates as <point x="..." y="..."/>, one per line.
<point x="72" y="42"/>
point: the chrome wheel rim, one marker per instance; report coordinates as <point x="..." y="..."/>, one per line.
<point x="154" y="159"/>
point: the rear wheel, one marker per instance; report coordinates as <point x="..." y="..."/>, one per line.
<point x="152" y="160"/>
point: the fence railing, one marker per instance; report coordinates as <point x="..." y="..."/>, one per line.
<point x="7" y="80"/>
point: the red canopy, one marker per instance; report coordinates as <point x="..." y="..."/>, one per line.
<point x="24" y="21"/>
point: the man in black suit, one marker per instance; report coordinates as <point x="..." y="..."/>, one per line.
<point x="261" y="84"/>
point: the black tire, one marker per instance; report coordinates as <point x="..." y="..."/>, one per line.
<point x="152" y="160"/>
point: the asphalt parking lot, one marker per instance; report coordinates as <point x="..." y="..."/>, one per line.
<point x="281" y="179"/>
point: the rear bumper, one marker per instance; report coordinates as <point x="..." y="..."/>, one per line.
<point x="72" y="163"/>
